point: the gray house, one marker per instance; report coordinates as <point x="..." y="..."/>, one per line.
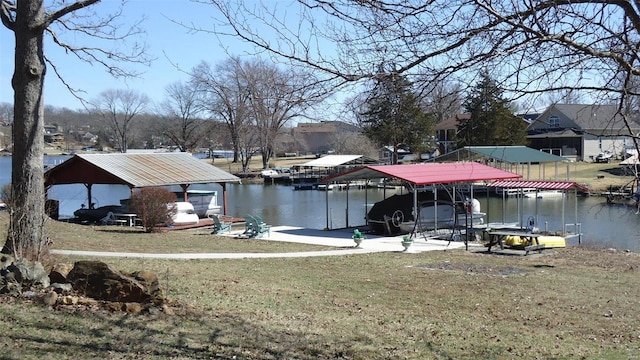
<point x="581" y="131"/>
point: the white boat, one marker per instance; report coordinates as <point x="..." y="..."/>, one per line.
<point x="442" y="215"/>
<point x="185" y="214"/>
<point x="275" y="173"/>
<point x="269" y="173"/>
<point x="543" y="194"/>
<point x="332" y="186"/>
<point x="205" y="202"/>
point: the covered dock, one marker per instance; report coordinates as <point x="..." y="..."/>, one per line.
<point x="415" y="176"/>
<point x="562" y="186"/>
<point x="138" y="170"/>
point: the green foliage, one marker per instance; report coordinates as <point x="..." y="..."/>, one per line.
<point x="152" y="206"/>
<point x="392" y="116"/>
<point x="491" y="122"/>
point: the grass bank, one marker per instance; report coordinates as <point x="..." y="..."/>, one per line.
<point x="574" y="303"/>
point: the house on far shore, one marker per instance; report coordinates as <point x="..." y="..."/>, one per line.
<point x="446" y="132"/>
<point x="581" y="131"/>
<point x="312" y="138"/>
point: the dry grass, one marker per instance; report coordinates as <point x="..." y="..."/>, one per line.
<point x="575" y="303"/>
<point x="71" y="236"/>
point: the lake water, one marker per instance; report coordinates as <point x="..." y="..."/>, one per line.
<point x="602" y="224"/>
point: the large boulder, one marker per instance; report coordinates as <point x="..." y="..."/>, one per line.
<point x="99" y="281"/>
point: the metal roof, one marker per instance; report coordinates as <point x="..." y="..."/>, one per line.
<point x="543" y="185"/>
<point x="425" y="174"/>
<point x="506" y="154"/>
<point x="515" y="154"/>
<point x="137" y="170"/>
<point x="337" y="160"/>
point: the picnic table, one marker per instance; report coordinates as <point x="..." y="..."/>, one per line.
<point x="530" y="240"/>
<point x="128" y="219"/>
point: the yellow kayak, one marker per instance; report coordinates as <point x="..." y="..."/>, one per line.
<point x="549" y="241"/>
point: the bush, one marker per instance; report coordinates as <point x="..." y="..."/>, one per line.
<point x="153" y="206"/>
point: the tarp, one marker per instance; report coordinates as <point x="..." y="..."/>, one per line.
<point x="426" y="174"/>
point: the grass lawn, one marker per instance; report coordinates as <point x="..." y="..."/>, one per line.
<point x="574" y="303"/>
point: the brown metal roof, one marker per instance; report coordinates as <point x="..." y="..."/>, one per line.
<point x="137" y="170"/>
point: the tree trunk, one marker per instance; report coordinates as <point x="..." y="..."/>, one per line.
<point x="26" y="236"/>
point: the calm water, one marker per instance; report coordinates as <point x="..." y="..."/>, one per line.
<point x="602" y="224"/>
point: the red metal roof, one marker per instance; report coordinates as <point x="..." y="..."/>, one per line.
<point x="425" y="174"/>
<point x="544" y="185"/>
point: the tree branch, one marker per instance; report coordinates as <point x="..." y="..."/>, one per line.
<point x="7" y="14"/>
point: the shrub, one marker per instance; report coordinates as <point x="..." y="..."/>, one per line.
<point x="154" y="206"/>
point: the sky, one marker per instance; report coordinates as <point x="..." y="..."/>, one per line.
<point x="174" y="48"/>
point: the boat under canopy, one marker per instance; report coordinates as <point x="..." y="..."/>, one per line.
<point x="417" y="176"/>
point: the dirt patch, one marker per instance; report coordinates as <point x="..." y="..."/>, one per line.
<point x="475" y="268"/>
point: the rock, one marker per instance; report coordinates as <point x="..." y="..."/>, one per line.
<point x="132" y="308"/>
<point x="50" y="298"/>
<point x="87" y="301"/>
<point x="59" y="273"/>
<point x="22" y="275"/>
<point x="69" y="300"/>
<point x="167" y="310"/>
<point x="30" y="274"/>
<point x="99" y="281"/>
<point x="113" y="306"/>
<point x="61" y="288"/>
<point x="150" y="281"/>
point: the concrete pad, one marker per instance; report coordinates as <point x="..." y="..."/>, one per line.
<point x="340" y="239"/>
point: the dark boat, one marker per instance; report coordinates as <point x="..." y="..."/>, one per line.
<point x="394" y="215"/>
<point x="95" y="215"/>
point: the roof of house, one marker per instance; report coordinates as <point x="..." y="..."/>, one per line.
<point x="564" y="133"/>
<point x="452" y="122"/>
<point x="592" y="116"/>
<point x="137" y="170"/>
<point x="426" y="174"/>
<point x="507" y="154"/>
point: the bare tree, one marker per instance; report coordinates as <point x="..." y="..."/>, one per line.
<point x="6" y="112"/>
<point x="226" y="98"/>
<point x="256" y="99"/>
<point x="29" y="20"/>
<point x="119" y="108"/>
<point x="276" y="97"/>
<point x="181" y="109"/>
<point x="531" y="47"/>
<point x="353" y="143"/>
<point x="442" y="99"/>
